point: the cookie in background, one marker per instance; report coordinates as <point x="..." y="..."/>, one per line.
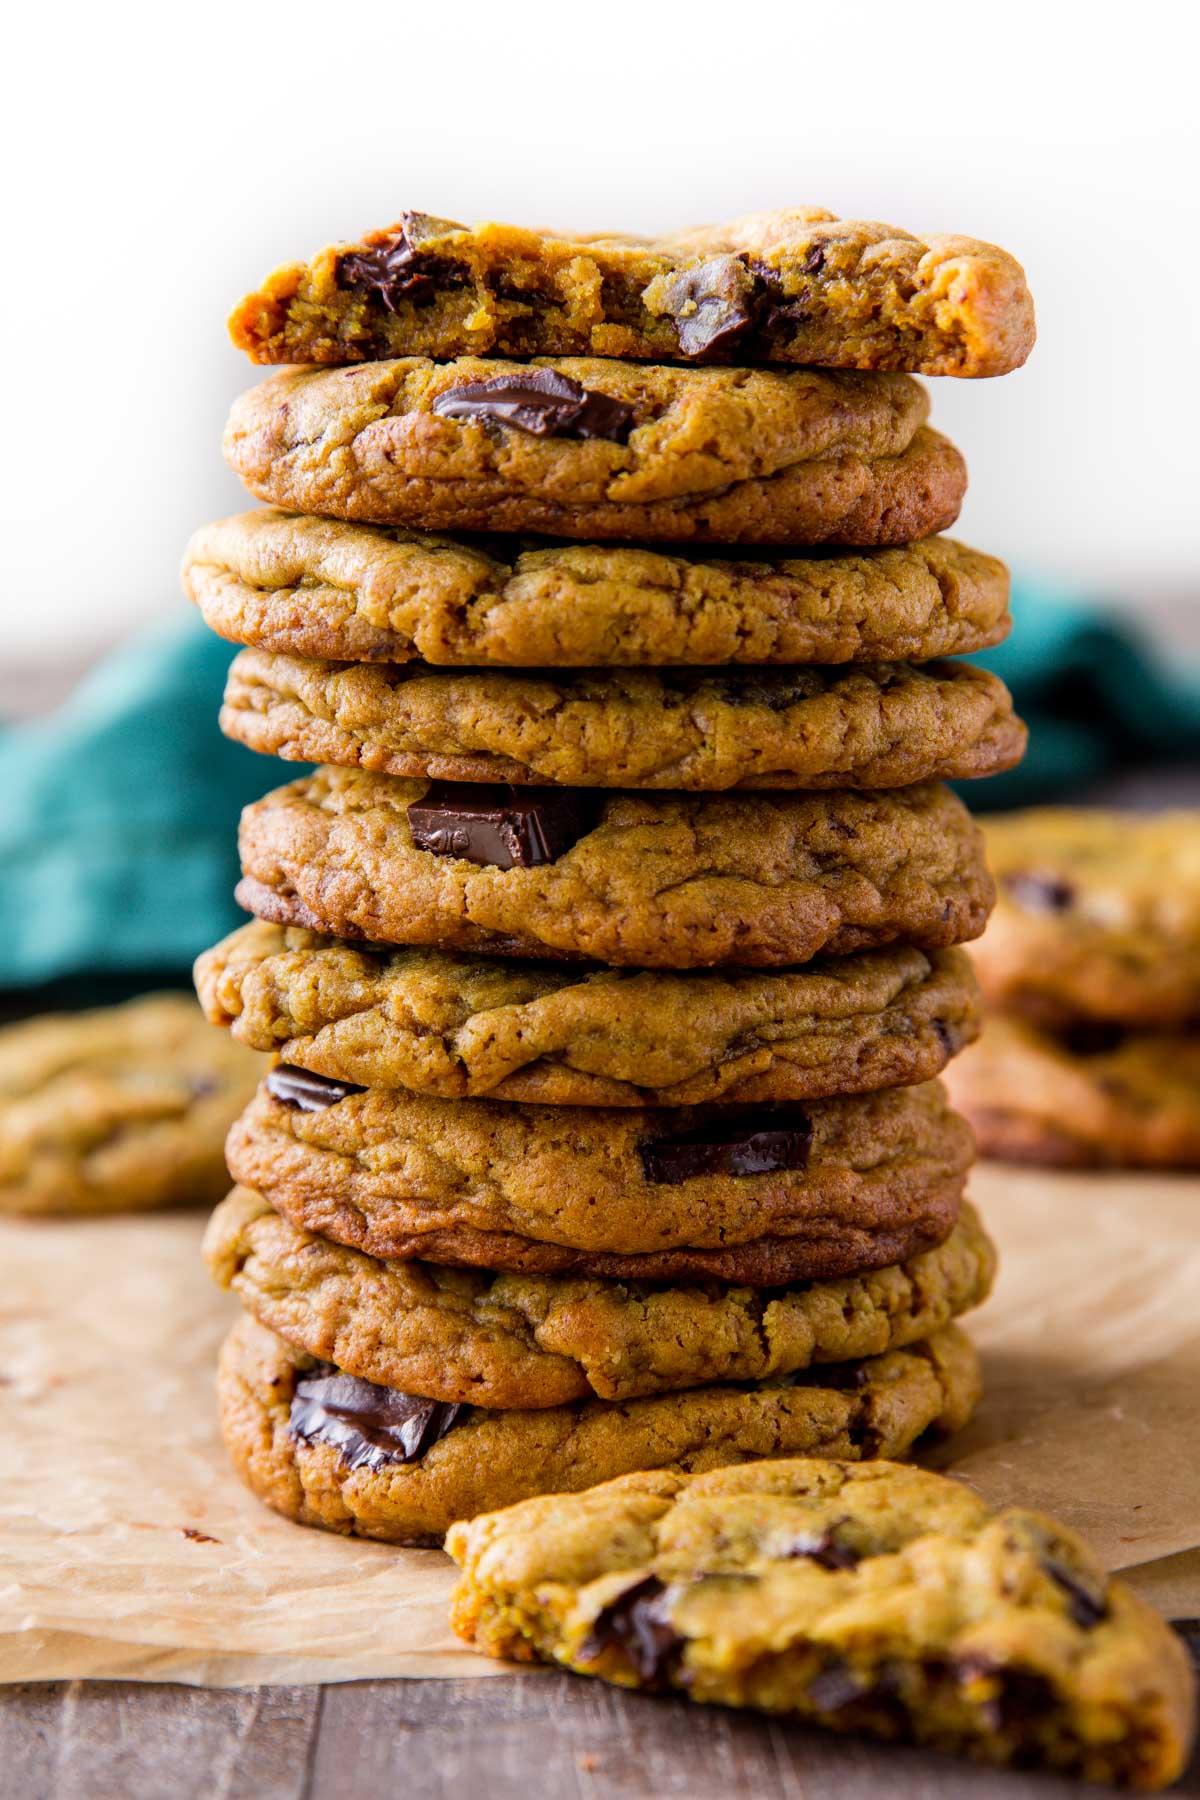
<point x="119" y="1109"/>
<point x="1091" y="968"/>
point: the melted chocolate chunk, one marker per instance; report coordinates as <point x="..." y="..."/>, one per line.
<point x="1040" y="893"/>
<point x="1086" y="1608"/>
<point x="542" y="402"/>
<point x="636" y="1623"/>
<point x="1092" y="1039"/>
<point x="309" y="1092"/>
<point x="731" y="1141"/>
<point x="826" y="1551"/>
<point x="772" y="307"/>
<point x="370" y="1426"/>
<point x="395" y="269"/>
<point x="712" y="304"/>
<point x="837" y="1687"/>
<point x="501" y="827"/>
<point x="1020" y="1696"/>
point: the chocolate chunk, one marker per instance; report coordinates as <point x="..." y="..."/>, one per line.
<point x="731" y="1141"/>
<point x="950" y="1040"/>
<point x="772" y="307"/>
<point x="826" y="1551"/>
<point x="1092" y="1039"/>
<point x="636" y="1622"/>
<point x="1189" y="1632"/>
<point x="1040" y="893"/>
<point x="370" y="1426"/>
<point x="712" y="304"/>
<point x="1086" y="1608"/>
<point x="309" y="1092"/>
<point x="542" y="402"/>
<point x="836" y="1687"/>
<point x="815" y="260"/>
<point x="395" y="268"/>
<point x="1016" y="1698"/>
<point x="501" y="827"/>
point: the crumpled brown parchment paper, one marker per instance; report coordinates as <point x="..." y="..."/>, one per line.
<point x="128" y="1549"/>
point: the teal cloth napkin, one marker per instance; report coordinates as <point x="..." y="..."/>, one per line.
<point x="1096" y="698"/>
<point x="118" y="813"/>
<point x="118" y="817"/>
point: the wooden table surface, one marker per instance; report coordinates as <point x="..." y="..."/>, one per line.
<point x="514" y="1737"/>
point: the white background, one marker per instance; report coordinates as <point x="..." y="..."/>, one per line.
<point x="159" y="161"/>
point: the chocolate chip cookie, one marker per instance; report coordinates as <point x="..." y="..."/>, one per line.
<point x="656" y="880"/>
<point x="798" y="285"/>
<point x="870" y="725"/>
<point x="870" y="1598"/>
<point x="362" y="593"/>
<point x="121" y="1108"/>
<point x="328" y="1449"/>
<point x="531" y="1341"/>
<point x="457" y="1026"/>
<point x="1098" y="916"/>
<point x="1083" y="1096"/>
<point x="761" y="1195"/>
<point x="585" y="448"/>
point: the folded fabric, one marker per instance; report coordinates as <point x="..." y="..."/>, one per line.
<point x="118" y="813"/>
<point x="118" y="817"/>
<point x="1096" y="698"/>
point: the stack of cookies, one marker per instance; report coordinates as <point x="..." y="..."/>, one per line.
<point x="1091" y="970"/>
<point x="610" y="955"/>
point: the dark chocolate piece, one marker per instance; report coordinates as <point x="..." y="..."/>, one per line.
<point x="772" y="307"/>
<point x="309" y="1092"/>
<point x="1040" y="893"/>
<point x="1086" y="1608"/>
<point x="636" y="1623"/>
<point x="1020" y="1696"/>
<point x="502" y="827"/>
<point x="540" y="401"/>
<point x="731" y="1141"/>
<point x="1092" y="1038"/>
<point x="826" y="1551"/>
<point x="712" y="304"/>
<point x="370" y="1426"/>
<point x="395" y="268"/>
<point x="836" y="1687"/>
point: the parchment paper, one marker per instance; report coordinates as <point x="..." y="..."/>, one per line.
<point x="128" y="1549"/>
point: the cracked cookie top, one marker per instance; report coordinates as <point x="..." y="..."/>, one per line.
<point x="470" y="1335"/>
<point x="459" y="1026"/>
<point x="761" y="1194"/>
<point x="330" y="1449"/>
<point x="362" y="593"/>
<point x="656" y="880"/>
<point x="878" y="725"/>
<point x="798" y="285"/>
<point x="783" y="456"/>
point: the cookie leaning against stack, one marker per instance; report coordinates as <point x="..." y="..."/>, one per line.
<point x="1091" y="1056"/>
<point x="611" y="952"/>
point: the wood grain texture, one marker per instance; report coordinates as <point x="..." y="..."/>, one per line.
<point x="514" y="1738"/>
